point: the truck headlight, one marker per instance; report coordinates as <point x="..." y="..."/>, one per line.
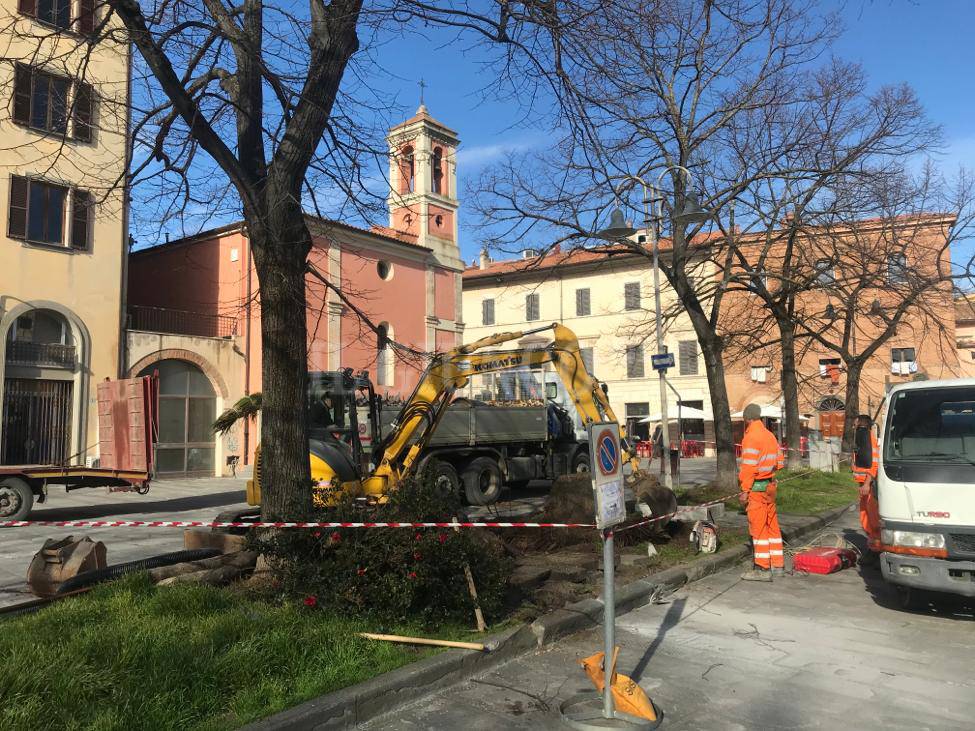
<point x="912" y="539"/>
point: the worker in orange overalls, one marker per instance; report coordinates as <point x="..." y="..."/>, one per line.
<point x="760" y="456"/>
<point x="866" y="462"/>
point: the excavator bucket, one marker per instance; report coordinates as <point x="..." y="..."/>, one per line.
<point x="59" y="560"/>
<point x="628" y="697"/>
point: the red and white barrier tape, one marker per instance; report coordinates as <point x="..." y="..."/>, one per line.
<point x="272" y="524"/>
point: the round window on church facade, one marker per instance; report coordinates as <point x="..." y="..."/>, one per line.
<point x="384" y="269"/>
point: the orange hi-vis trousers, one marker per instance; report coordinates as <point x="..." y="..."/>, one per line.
<point x="870" y="520"/>
<point x="763" y="525"/>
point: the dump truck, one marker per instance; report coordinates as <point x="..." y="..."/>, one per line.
<point x="127" y="429"/>
<point x="479" y="446"/>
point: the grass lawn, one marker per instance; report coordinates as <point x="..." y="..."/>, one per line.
<point x="130" y="656"/>
<point x="800" y="492"/>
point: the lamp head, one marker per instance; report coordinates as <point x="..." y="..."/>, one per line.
<point x="618" y="227"/>
<point x="691" y="211"/>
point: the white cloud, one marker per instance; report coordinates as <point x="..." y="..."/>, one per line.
<point x="480" y="155"/>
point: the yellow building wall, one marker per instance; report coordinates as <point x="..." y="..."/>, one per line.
<point x="608" y="330"/>
<point x="85" y="287"/>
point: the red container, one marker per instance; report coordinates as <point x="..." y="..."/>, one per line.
<point x="824" y="560"/>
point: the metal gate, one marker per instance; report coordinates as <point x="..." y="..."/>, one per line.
<point x="36" y="421"/>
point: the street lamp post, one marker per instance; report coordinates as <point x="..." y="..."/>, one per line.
<point x="690" y="212"/>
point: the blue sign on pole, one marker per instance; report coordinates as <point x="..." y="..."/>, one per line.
<point x="662" y="361"/>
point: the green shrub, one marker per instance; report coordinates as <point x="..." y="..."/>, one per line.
<point x="394" y="574"/>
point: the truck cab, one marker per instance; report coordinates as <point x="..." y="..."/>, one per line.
<point x="926" y="488"/>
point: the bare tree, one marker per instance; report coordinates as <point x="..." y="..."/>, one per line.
<point x="265" y="110"/>
<point x="665" y="86"/>
<point x="846" y="134"/>
<point x="877" y="262"/>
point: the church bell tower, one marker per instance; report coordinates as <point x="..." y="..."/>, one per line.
<point x="423" y="185"/>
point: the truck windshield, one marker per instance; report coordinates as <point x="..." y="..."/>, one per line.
<point x="932" y="425"/>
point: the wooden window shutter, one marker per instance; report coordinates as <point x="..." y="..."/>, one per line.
<point x="487" y="312"/>
<point x="86" y="17"/>
<point x="687" y="353"/>
<point x="587" y="359"/>
<point x="80" y="219"/>
<point x="17" y="220"/>
<point x="631" y="296"/>
<point x="22" y="78"/>
<point x="84" y="103"/>
<point x="582" y="302"/>
<point x="27" y="7"/>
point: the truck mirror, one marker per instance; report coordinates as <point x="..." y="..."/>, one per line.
<point x="551" y="391"/>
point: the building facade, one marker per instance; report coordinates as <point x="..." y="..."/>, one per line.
<point x="64" y="241"/>
<point x="608" y="301"/>
<point x="194" y="304"/>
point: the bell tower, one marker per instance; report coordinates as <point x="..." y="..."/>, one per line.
<point x="423" y="184"/>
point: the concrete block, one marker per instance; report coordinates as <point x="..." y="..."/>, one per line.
<point x="529" y="576"/>
<point x="203" y="538"/>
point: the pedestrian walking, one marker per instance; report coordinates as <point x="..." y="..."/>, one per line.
<point x="760" y="456"/>
<point x="658" y="447"/>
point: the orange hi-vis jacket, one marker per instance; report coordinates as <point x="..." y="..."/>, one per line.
<point x="860" y="473"/>
<point x="760" y="455"/>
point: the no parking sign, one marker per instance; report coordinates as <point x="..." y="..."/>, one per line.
<point x="605" y="456"/>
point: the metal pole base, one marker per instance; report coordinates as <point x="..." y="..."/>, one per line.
<point x="585" y="712"/>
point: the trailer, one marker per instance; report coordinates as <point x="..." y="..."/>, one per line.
<point x="127" y="429"/>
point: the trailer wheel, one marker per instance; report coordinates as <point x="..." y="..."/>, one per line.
<point x="580" y="463"/>
<point x="16" y="499"/>
<point x="444" y="476"/>
<point x="482" y="481"/>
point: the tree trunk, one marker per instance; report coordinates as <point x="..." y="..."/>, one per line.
<point x="281" y="243"/>
<point x="854" y="368"/>
<point x="721" y="408"/>
<point x="790" y="394"/>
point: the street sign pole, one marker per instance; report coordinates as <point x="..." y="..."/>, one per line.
<point x="609" y="620"/>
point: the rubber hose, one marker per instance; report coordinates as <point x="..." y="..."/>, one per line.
<point x="110" y="573"/>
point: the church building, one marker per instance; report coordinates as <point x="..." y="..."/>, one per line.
<point x="193" y="310"/>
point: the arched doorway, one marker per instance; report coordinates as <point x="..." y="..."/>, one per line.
<point x="187" y="409"/>
<point x="40" y="363"/>
<point x="832" y="412"/>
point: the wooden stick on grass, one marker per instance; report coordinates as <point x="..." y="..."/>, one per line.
<point x="425" y="641"/>
<point x="478" y="614"/>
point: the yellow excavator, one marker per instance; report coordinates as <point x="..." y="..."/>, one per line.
<point x="342" y="465"/>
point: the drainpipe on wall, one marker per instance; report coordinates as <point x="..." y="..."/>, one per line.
<point x="123" y="346"/>
<point x="247" y="346"/>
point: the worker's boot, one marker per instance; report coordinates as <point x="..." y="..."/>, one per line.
<point x="778" y="571"/>
<point x="757" y="574"/>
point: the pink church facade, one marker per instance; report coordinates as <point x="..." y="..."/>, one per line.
<point x="195" y="303"/>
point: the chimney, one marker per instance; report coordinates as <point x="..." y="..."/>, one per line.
<point x="484" y="259"/>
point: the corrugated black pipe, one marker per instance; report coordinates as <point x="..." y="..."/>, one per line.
<point x="88" y="578"/>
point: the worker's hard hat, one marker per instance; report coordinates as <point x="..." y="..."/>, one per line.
<point x="752" y="412"/>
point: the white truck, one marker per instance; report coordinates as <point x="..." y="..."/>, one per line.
<point x="926" y="488"/>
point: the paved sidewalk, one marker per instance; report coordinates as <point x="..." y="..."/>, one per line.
<point x="824" y="652"/>
<point x="186" y="499"/>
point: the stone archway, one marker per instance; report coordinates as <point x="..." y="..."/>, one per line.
<point x="218" y="381"/>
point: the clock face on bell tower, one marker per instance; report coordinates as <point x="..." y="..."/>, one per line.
<point x="423" y="184"/>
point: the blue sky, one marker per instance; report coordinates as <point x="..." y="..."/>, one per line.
<point x="926" y="43"/>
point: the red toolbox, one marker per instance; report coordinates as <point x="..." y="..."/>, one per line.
<point x="824" y="560"/>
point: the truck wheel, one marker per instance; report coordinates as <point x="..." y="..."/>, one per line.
<point x="16" y="499"/>
<point x="482" y="481"/>
<point x="580" y="463"/>
<point x="444" y="477"/>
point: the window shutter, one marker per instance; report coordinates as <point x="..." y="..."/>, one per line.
<point x="531" y="307"/>
<point x="582" y="302"/>
<point x="22" y="76"/>
<point x="487" y="312"/>
<point x="687" y="352"/>
<point x="83" y="111"/>
<point x="80" y="215"/>
<point x="17" y="221"/>
<point x="634" y="361"/>
<point x="27" y="7"/>
<point x="586" y="355"/>
<point x="86" y="17"/>
<point x="631" y="295"/>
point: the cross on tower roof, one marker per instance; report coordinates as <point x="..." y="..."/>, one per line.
<point x="423" y="85"/>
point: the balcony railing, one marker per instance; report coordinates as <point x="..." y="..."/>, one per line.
<point x="52" y="355"/>
<point x="181" y="322"/>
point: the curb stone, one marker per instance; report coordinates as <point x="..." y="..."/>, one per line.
<point x="348" y="707"/>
